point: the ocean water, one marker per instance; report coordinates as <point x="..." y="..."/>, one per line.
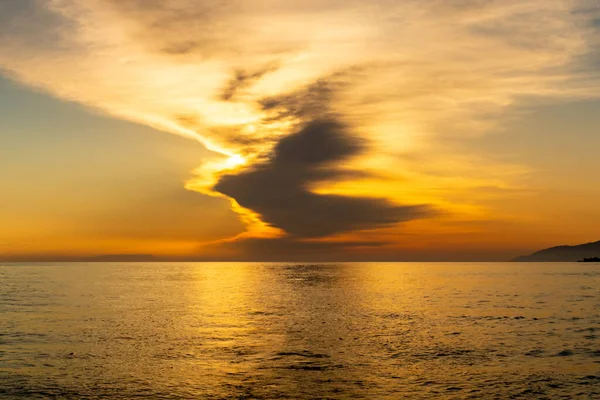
<point x="300" y="331"/>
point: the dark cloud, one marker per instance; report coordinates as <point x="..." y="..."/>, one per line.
<point x="278" y="188"/>
<point x="315" y="100"/>
<point x="180" y="47"/>
<point x="311" y="102"/>
<point x="242" y="79"/>
<point x="290" y="249"/>
<point x="180" y="28"/>
<point x="24" y="24"/>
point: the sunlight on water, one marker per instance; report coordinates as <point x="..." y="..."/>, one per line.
<point x="248" y="330"/>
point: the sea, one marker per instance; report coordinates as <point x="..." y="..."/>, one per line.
<point x="300" y="331"/>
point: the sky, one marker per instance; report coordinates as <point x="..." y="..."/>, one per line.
<point x="298" y="130"/>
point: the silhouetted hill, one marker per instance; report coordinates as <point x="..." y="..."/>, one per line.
<point x="591" y="259"/>
<point x="120" y="258"/>
<point x="564" y="253"/>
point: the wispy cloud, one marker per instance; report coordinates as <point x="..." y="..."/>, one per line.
<point x="232" y="74"/>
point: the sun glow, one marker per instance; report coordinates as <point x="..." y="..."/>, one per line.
<point x="411" y="79"/>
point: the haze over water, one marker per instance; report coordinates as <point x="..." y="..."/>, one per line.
<point x="256" y="330"/>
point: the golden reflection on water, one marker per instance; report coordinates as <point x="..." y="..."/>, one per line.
<point x="248" y="330"/>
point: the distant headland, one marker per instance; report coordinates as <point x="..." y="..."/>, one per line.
<point x="588" y="252"/>
<point x="590" y="259"/>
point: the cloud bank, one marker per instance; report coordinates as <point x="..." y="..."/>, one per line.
<point x="278" y="188"/>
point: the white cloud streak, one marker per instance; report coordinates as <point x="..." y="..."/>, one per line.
<point x="429" y="68"/>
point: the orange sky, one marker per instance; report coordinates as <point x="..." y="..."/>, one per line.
<point x="317" y="129"/>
